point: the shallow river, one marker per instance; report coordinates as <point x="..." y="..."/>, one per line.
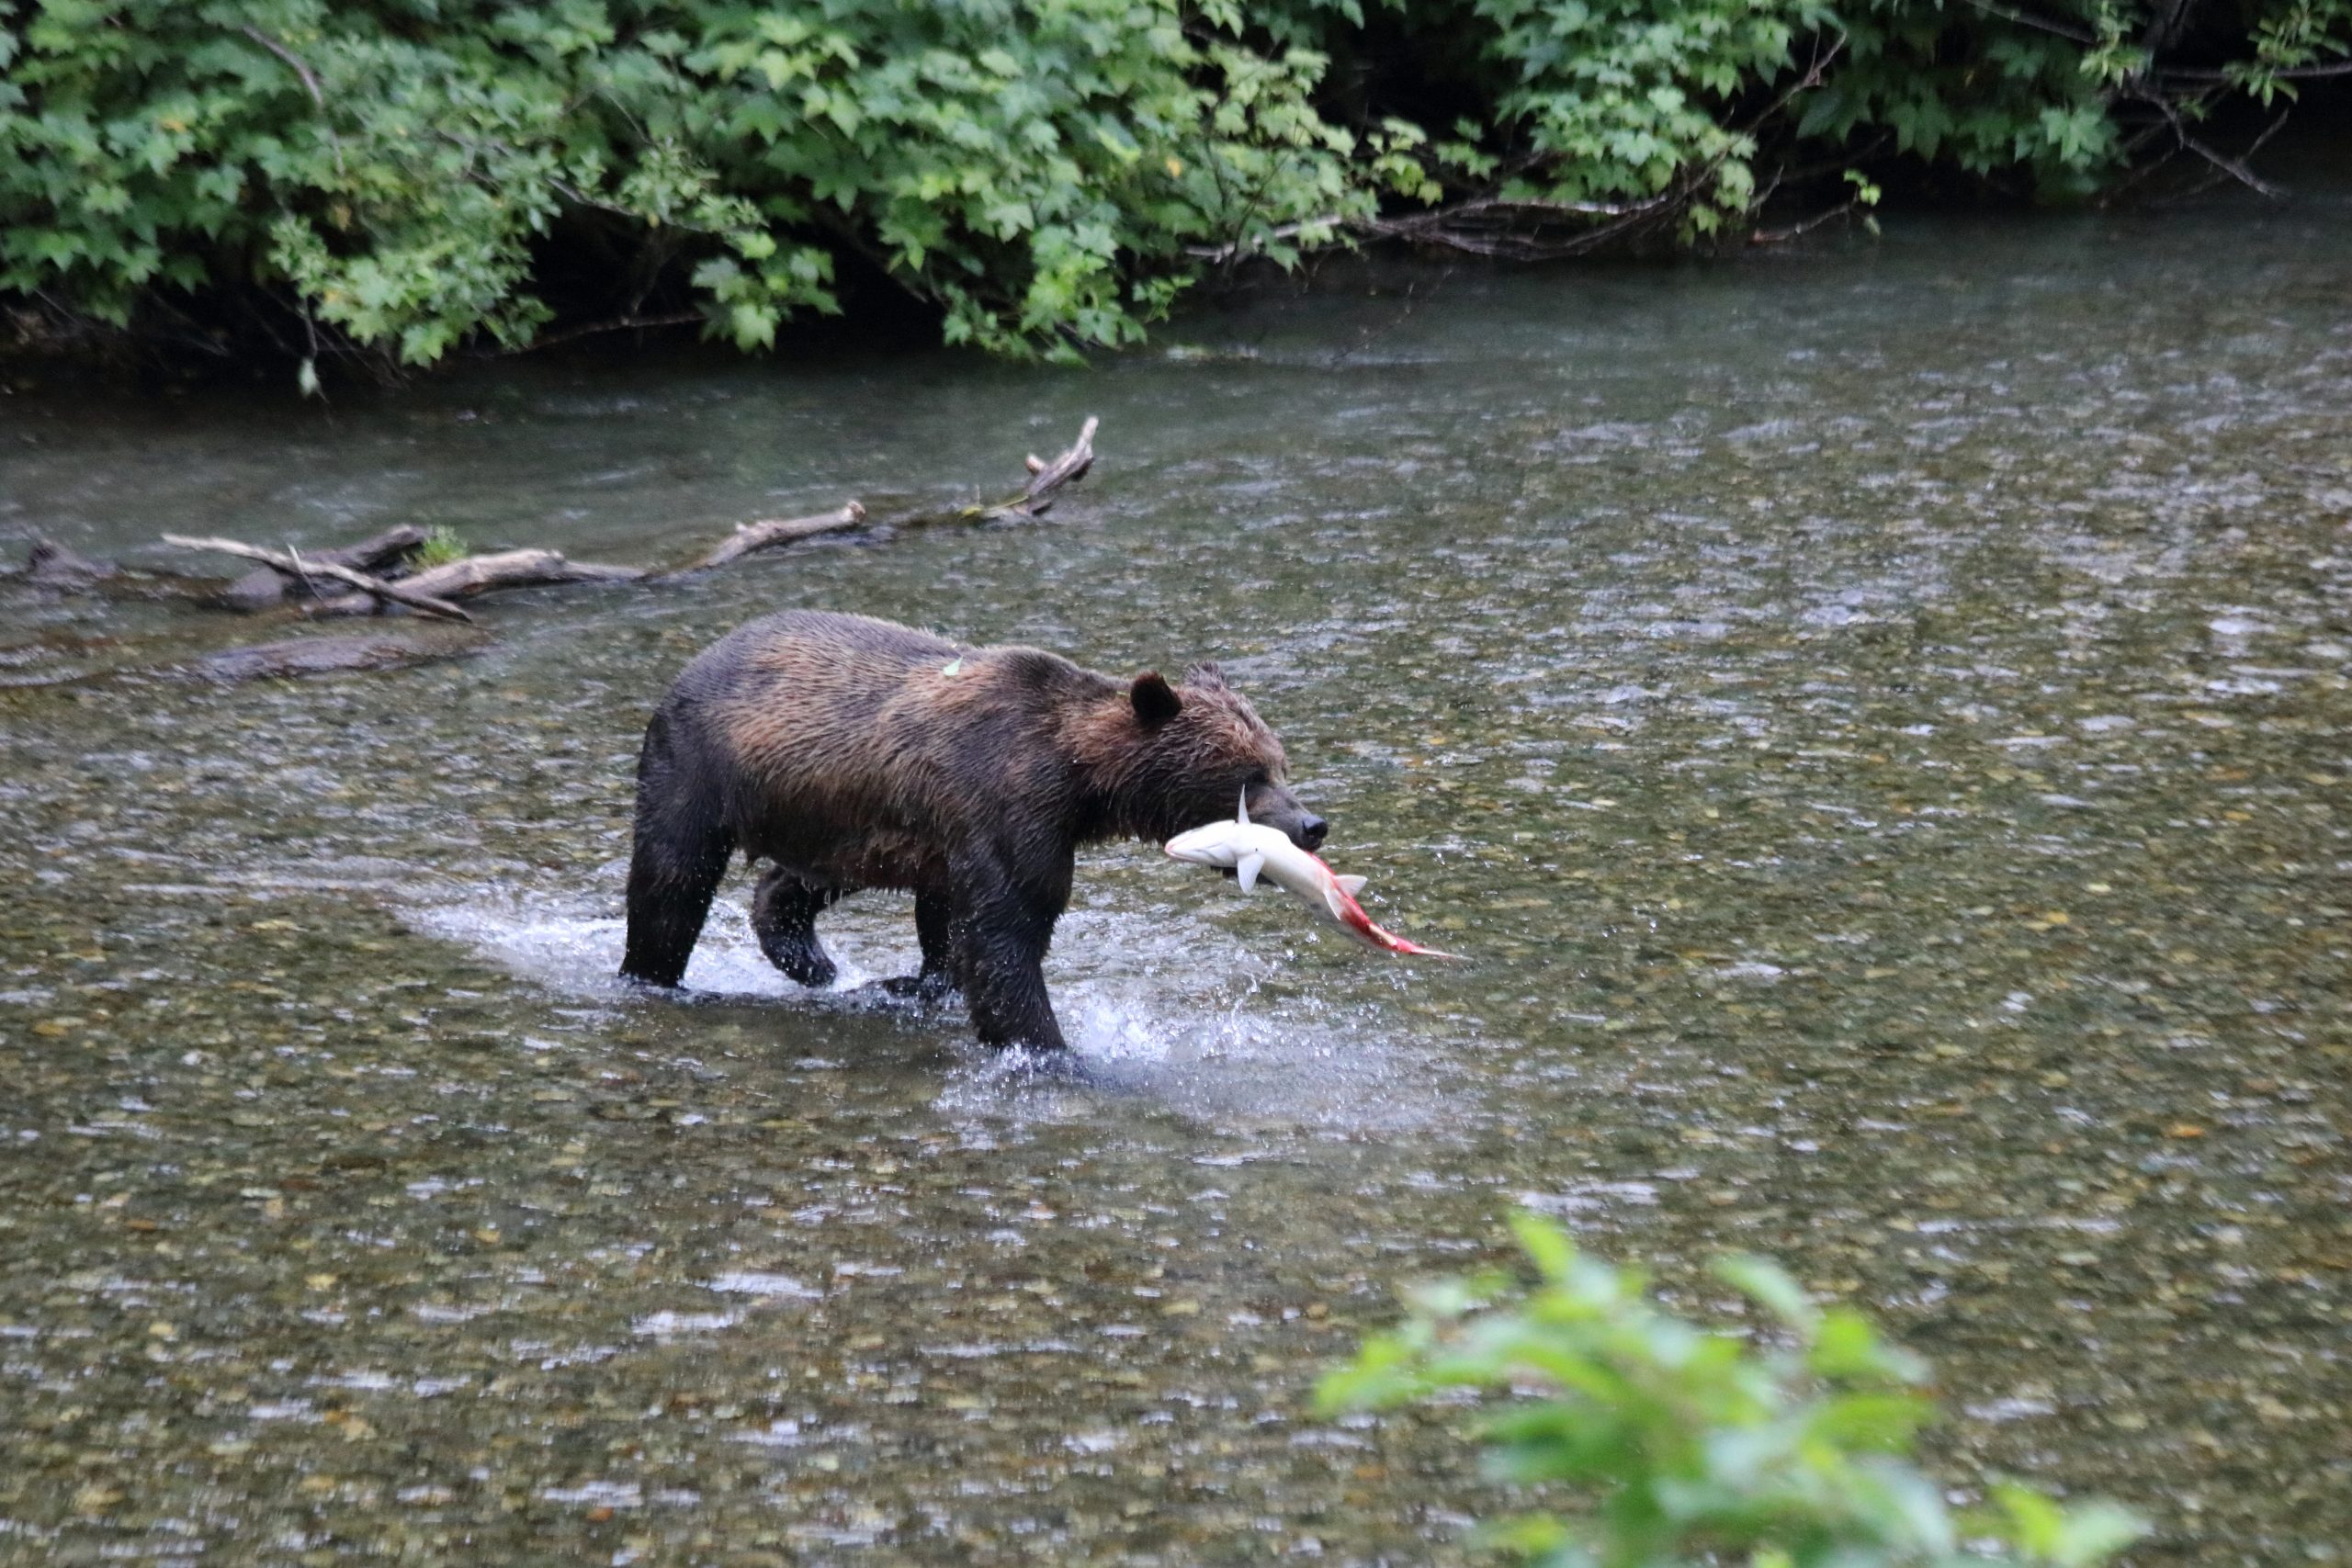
<point x="1877" y="717"/>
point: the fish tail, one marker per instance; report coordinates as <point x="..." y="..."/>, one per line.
<point x="1361" y="926"/>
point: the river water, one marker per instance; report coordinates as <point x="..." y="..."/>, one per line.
<point x="1876" y="716"/>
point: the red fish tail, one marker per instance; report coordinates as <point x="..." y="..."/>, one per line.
<point x="1361" y="926"/>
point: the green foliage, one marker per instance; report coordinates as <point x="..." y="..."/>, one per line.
<point x="1693" y="1445"/>
<point x="1625" y="99"/>
<point x="1037" y="168"/>
<point x="402" y="176"/>
<point x="1995" y="95"/>
<point x="394" y="187"/>
<point x="442" y="544"/>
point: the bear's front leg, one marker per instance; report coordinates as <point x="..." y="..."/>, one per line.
<point x="934" y="930"/>
<point x="1000" y="932"/>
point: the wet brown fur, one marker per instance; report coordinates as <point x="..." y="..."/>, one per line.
<point x="843" y="752"/>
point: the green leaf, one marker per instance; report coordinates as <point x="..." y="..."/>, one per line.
<point x="1544" y="1243"/>
<point x="1769" y="1286"/>
<point x="1679" y="1444"/>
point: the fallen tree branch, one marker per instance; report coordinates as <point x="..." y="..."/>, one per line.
<point x="1034" y="500"/>
<point x="434" y="591"/>
<point x="482" y="574"/>
<point x="375" y="588"/>
<point x="748" y="537"/>
<point x="1528" y="231"/>
<point x="2233" y="168"/>
<point x="1038" y="496"/>
<point x="617" y="324"/>
<point x="266" y="587"/>
<point x="1803" y="226"/>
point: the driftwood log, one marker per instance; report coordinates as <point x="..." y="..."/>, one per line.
<point x="1033" y="501"/>
<point x="482" y="574"/>
<point x="1044" y="479"/>
<point x="374" y="568"/>
<point x="766" y="535"/>
<point x="434" y="589"/>
<point x="266" y="586"/>
<point x="293" y="565"/>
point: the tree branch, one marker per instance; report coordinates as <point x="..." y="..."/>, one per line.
<point x="748" y="537"/>
<point x="277" y="561"/>
<point x="310" y="80"/>
<point x="480" y="574"/>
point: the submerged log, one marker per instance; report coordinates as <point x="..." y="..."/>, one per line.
<point x="57" y="569"/>
<point x="322" y="656"/>
<point x="53" y="565"/>
<point x="765" y="536"/>
<point x="266" y="587"/>
<point x="292" y="565"/>
<point x="484" y="574"/>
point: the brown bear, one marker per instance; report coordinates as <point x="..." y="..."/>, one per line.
<point x="851" y="753"/>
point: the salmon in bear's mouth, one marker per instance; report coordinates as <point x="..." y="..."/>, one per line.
<point x="1245" y="849"/>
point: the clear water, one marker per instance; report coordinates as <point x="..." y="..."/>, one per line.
<point x="1878" y="715"/>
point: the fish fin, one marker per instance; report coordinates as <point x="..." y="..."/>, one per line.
<point x="1244" y="818"/>
<point x="1246" y="871"/>
<point x="1352" y="884"/>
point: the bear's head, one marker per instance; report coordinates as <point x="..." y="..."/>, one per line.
<point x="1176" y="755"/>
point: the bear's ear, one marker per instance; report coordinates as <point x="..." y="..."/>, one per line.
<point x="1156" y="701"/>
<point x="1206" y="676"/>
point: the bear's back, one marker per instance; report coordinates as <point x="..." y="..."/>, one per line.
<point x="809" y="703"/>
<point x="798" y="647"/>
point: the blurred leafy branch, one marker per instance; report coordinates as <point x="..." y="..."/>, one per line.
<point x="1685" y="1445"/>
<point x="393" y="178"/>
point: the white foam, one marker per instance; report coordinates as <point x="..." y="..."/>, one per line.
<point x="1171" y="1005"/>
<point x="557" y="943"/>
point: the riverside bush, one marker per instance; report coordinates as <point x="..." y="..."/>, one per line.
<point x="394" y="172"/>
<point x="397" y="177"/>
<point x="1686" y="1444"/>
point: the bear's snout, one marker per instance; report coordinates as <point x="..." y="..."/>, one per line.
<point x="1274" y="807"/>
